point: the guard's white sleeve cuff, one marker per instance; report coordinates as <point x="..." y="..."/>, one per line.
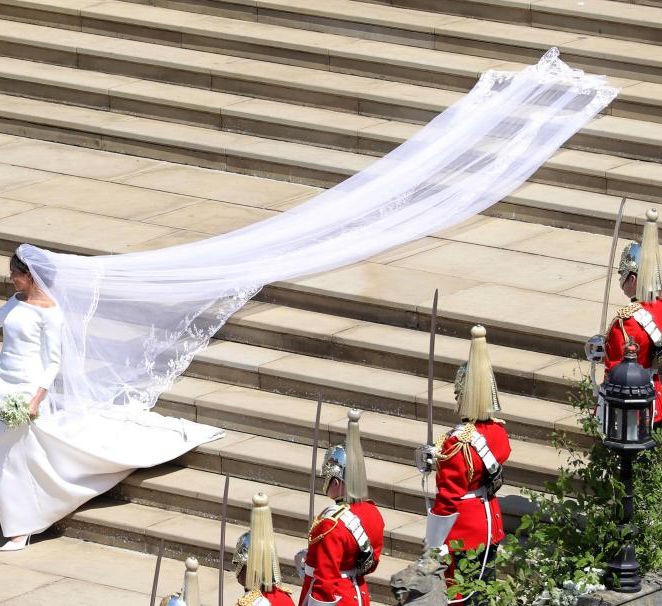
<point x="437" y="529"/>
<point x="313" y="602"/>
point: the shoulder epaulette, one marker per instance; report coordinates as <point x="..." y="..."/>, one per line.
<point x="333" y="513"/>
<point x="250" y="598"/>
<point x="627" y="311"/>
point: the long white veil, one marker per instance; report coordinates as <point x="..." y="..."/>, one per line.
<point x="133" y="322"/>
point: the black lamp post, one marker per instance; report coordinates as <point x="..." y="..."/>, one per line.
<point x="628" y="425"/>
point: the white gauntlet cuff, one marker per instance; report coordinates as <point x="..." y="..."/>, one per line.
<point x="437" y="529"/>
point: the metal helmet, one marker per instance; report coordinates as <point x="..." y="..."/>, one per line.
<point x="335" y="462"/>
<point x="630" y="260"/>
<point x="240" y="556"/>
<point x="173" y="600"/>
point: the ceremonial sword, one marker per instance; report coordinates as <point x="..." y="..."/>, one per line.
<point x="157" y="572"/>
<point x="224" y="521"/>
<point x="605" y="302"/>
<point x="313" y="470"/>
<point x="433" y="334"/>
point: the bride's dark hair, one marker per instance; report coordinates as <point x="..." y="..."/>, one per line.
<point x="16" y="264"/>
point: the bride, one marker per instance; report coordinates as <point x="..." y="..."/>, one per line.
<point x="53" y="465"/>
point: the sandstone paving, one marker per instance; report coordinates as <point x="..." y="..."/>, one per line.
<point x="104" y="198"/>
<point x="14" y="177"/>
<point x="344" y="376"/>
<point x="102" y="573"/>
<point x="16" y="581"/>
<point x="233" y="188"/>
<point x="78" y="232"/>
<point x="10" y="207"/>
<point x="237" y="355"/>
<point x="537" y="413"/>
<point x="595" y="290"/>
<point x="406" y="250"/>
<point x="493" y="231"/>
<point x="71" y="160"/>
<point x="500" y="266"/>
<point x="294" y="321"/>
<point x="230" y="407"/>
<point x="509" y="307"/>
<point x="210" y="217"/>
<point x="388" y="284"/>
<point x="565" y="244"/>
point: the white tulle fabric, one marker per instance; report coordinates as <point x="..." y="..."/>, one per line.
<point x="133" y="322"/>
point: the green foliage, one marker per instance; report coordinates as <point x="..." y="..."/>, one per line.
<point x="560" y="551"/>
<point x="14" y="411"/>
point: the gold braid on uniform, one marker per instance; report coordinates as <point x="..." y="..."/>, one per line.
<point x="318" y="520"/>
<point x="249" y="598"/>
<point x="623" y="313"/>
<point x="463" y="444"/>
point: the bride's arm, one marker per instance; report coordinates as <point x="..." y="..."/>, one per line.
<point x="51" y="345"/>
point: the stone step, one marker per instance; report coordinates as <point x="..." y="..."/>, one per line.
<point x="387" y="437"/>
<point x="196" y="492"/>
<point x="370" y="94"/>
<point x="396" y="348"/>
<point x="495" y="42"/>
<point x="141" y="528"/>
<point x="383" y="391"/>
<point x="274" y="120"/>
<point x="423" y="24"/>
<point x="294" y="162"/>
<point x="392" y="485"/>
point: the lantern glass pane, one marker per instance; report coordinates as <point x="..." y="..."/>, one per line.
<point x="614" y="423"/>
<point x="632" y="417"/>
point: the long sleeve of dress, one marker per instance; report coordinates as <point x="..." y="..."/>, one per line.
<point x="51" y="348"/>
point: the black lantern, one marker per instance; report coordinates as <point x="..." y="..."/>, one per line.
<point x="629" y="400"/>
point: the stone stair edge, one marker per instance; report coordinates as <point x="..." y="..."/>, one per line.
<point x="587" y="51"/>
<point x="430" y="19"/>
<point x="166" y="488"/>
<point x="147" y="525"/>
<point x="296" y="162"/>
<point x="216" y="110"/>
<point x="209" y="399"/>
<point x="391" y="98"/>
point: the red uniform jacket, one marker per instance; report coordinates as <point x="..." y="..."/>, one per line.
<point x="275" y="597"/>
<point x="453" y="483"/>
<point x="615" y="346"/>
<point x="278" y="597"/>
<point x="333" y="549"/>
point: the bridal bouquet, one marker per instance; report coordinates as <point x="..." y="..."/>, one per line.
<point x="15" y="411"/>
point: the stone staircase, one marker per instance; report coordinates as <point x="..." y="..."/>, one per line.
<point x="161" y="123"/>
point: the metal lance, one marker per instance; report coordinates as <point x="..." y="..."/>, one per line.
<point x="433" y="333"/>
<point x="224" y="521"/>
<point x="157" y="572"/>
<point x="313" y="469"/>
<point x="610" y="271"/>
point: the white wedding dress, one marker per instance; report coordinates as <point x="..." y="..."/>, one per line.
<point x="52" y="466"/>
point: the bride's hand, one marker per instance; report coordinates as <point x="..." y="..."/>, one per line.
<point x="33" y="410"/>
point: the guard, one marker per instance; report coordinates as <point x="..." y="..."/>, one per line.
<point x="346" y="539"/>
<point x="256" y="562"/>
<point x="469" y="462"/>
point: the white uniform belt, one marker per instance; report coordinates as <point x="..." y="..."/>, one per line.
<point x="645" y="320"/>
<point x="481" y="493"/>
<point x="345" y="574"/>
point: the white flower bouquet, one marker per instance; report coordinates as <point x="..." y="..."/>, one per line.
<point x="15" y="411"/>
